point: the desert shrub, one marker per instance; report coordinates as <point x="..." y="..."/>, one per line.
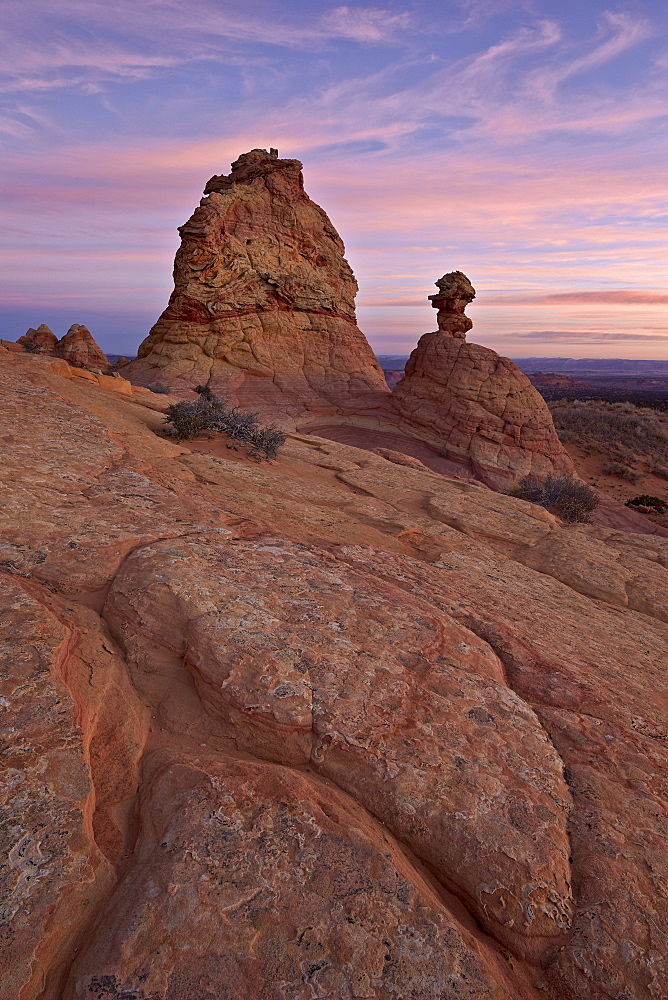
<point x="659" y="470"/>
<point x="209" y="413"/>
<point x="266" y="442"/>
<point x="621" y="430"/>
<point x="159" y="388"/>
<point x="568" y="497"/>
<point x="31" y="347"/>
<point x="647" y="501"/>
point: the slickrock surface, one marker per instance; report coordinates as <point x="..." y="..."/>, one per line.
<point x="263" y="307"/>
<point x="478" y="406"/>
<point x="328" y="727"/>
<point x="77" y="347"/>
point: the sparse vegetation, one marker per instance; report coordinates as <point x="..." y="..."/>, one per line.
<point x="31" y="347"/>
<point x="647" y="501"/>
<point x="622" y="472"/>
<point x="567" y="497"/>
<point x="159" y="388"/>
<point x="635" y="439"/>
<point x="209" y="413"/>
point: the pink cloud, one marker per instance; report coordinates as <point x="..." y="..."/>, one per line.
<point x="591" y="336"/>
<point x="620" y="297"/>
<point x="365" y="24"/>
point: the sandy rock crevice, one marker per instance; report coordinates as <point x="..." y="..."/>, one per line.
<point x="76" y="733"/>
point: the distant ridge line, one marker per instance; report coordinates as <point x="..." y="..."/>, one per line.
<point x="589" y="366"/>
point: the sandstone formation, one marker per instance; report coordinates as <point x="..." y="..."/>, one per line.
<point x="478" y="407"/>
<point x="263" y="307"/>
<point x="263" y="313"/>
<point x="43" y="337"/>
<point x="77" y="347"/>
<point x="330" y="727"/>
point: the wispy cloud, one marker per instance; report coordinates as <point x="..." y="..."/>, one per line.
<point x="592" y="336"/>
<point x="623" y="32"/>
<point x="620" y="297"/>
<point x="365" y="24"/>
<point x="498" y="138"/>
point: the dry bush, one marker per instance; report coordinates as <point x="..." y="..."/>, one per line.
<point x="621" y="430"/>
<point x="567" y="497"/>
<point x="209" y="413"/>
<point x="634" y="438"/>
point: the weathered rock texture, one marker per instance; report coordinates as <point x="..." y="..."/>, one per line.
<point x="332" y="727"/>
<point x="77" y="347"/>
<point x="477" y="406"/>
<point x="42" y="337"/>
<point x="263" y="307"/>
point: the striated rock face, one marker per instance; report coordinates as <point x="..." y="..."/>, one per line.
<point x="43" y="337"/>
<point x="263" y="307"/>
<point x="331" y="727"/>
<point x="479" y="407"/>
<point x="78" y="348"/>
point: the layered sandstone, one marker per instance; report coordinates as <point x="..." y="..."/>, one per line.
<point x="263" y="307"/>
<point x="329" y="727"/>
<point x="77" y="347"/>
<point x="42" y="337"/>
<point x="476" y="406"/>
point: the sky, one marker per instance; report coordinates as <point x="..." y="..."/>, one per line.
<point x="523" y="142"/>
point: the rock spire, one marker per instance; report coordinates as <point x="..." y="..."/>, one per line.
<point x="263" y="307"/>
<point x="477" y="406"/>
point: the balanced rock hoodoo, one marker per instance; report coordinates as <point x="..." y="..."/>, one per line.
<point x="263" y="307"/>
<point x="476" y="406"/>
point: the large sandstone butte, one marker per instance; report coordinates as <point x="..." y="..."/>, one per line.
<point x="478" y="407"/>
<point x="263" y="307"/>
<point x="330" y="727"/>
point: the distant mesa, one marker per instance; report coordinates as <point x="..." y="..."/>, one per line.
<point x="77" y="347"/>
<point x="552" y="380"/>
